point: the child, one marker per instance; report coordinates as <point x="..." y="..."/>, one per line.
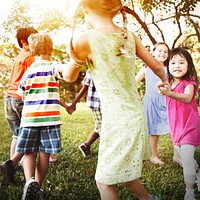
<point x="40" y="122"/>
<point x="183" y="114"/>
<point x="93" y="102"/>
<point x="109" y="52"/>
<point x="154" y="103"/>
<point x="13" y="103"/>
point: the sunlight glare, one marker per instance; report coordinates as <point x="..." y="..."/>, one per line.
<point x="52" y="5"/>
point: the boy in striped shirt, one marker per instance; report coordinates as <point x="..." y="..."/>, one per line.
<point x="40" y="122"/>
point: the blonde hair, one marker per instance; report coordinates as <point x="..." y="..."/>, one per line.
<point x="103" y="7"/>
<point x="40" y="44"/>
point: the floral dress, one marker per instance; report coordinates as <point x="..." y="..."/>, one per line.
<point x="124" y="139"/>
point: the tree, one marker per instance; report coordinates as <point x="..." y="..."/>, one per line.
<point x="19" y="16"/>
<point x="179" y="13"/>
<point x="149" y="19"/>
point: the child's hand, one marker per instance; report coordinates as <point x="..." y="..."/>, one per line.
<point x="164" y="89"/>
<point x="163" y="84"/>
<point x="70" y="109"/>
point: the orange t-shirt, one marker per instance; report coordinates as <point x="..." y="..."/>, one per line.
<point x="20" y="65"/>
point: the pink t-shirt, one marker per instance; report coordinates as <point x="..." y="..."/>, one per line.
<point x="183" y="117"/>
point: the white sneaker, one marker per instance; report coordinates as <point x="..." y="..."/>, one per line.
<point x="31" y="189"/>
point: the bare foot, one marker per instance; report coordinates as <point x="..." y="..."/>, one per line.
<point x="156" y="160"/>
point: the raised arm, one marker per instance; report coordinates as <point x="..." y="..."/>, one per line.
<point x="185" y="97"/>
<point x="80" y="51"/>
<point x="150" y="61"/>
<point x="140" y="75"/>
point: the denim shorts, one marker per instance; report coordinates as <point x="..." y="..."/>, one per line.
<point x="13" y="111"/>
<point x="39" y="139"/>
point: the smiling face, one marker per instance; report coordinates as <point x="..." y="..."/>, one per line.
<point x="178" y="66"/>
<point x="161" y="53"/>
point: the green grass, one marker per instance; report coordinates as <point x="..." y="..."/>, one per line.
<point x="72" y="176"/>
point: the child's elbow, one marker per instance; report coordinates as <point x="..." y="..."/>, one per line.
<point x="69" y="79"/>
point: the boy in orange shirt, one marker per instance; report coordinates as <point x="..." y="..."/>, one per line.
<point x="13" y="103"/>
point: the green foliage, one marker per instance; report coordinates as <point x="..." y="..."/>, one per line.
<point x="53" y="20"/>
<point x="60" y="54"/>
<point x="19" y="17"/>
<point x="72" y="176"/>
<point x="184" y="6"/>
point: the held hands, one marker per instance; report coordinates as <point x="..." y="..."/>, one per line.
<point x="164" y="88"/>
<point x="70" y="109"/>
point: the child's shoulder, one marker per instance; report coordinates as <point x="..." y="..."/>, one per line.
<point x="23" y="56"/>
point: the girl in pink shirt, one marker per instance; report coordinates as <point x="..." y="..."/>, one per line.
<point x="183" y="114"/>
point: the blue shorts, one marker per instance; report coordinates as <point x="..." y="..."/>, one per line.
<point x="39" y="139"/>
<point x="13" y="110"/>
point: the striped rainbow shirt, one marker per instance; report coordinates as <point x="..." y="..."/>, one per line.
<point x="39" y="88"/>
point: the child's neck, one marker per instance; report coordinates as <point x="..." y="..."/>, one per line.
<point x="175" y="82"/>
<point x="42" y="57"/>
<point x="162" y="63"/>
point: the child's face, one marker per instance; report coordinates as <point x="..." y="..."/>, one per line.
<point x="161" y="53"/>
<point x="178" y="66"/>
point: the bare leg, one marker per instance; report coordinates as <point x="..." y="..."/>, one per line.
<point x="138" y="189"/>
<point x="16" y="158"/>
<point x="154" y="153"/>
<point x="42" y="167"/>
<point x="12" y="147"/>
<point x="29" y="165"/>
<point x="92" y="138"/>
<point x="108" y="192"/>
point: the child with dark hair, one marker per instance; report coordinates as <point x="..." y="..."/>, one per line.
<point x="94" y="104"/>
<point x="183" y="114"/>
<point x="13" y="103"/>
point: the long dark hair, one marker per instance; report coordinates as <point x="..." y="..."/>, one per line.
<point x="191" y="72"/>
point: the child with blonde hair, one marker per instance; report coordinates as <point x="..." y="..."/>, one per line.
<point x="40" y="123"/>
<point x="109" y="51"/>
<point x="183" y="114"/>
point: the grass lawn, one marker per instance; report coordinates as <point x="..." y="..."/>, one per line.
<point x="72" y="176"/>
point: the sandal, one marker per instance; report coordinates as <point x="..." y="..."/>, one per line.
<point x="153" y="197"/>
